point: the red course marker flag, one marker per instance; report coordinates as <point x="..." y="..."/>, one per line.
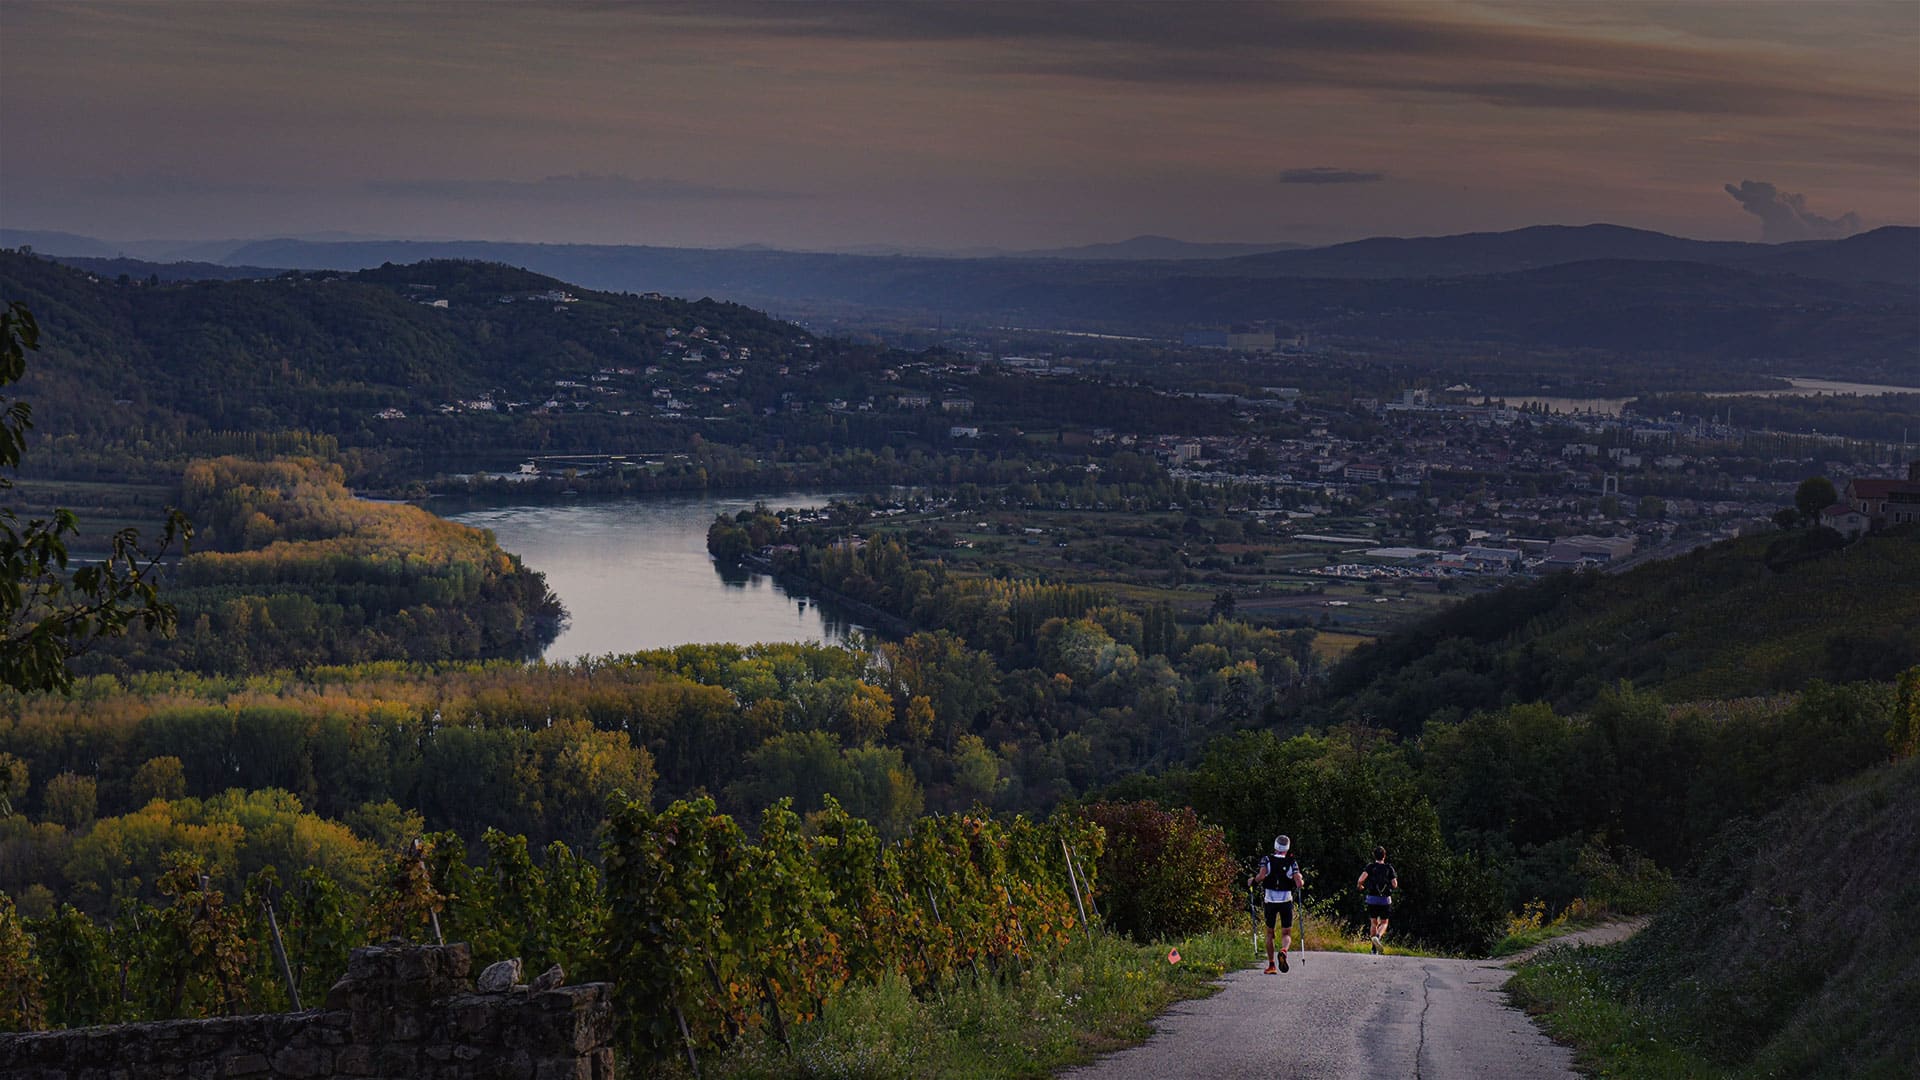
<point x="1173" y="956"/>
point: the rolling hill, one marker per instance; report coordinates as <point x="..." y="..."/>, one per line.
<point x="1807" y="608"/>
<point x="1846" y="308"/>
<point x="1839" y="308"/>
<point x="326" y="352"/>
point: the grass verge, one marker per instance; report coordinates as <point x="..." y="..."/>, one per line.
<point x="1091" y="999"/>
<point x="1532" y="927"/>
<point x="1581" y="1003"/>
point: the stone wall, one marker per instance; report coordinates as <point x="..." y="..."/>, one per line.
<point x="402" y="1011"/>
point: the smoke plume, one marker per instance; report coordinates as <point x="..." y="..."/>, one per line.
<point x="1784" y="216"/>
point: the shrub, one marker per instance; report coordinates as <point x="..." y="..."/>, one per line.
<point x="1163" y="873"/>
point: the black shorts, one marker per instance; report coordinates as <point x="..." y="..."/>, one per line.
<point x="1284" y="909"/>
<point x="1379" y="911"/>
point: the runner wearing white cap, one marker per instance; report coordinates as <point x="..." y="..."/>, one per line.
<point x="1280" y="874"/>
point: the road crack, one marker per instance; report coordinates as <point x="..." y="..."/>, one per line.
<point x="1426" y="1002"/>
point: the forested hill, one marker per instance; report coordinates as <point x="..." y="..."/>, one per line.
<point x="1841" y="307"/>
<point x="327" y="352"/>
<point x="1751" y="616"/>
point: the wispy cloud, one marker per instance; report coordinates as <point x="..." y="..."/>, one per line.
<point x="574" y="188"/>
<point x="1450" y="50"/>
<point x="1324" y="174"/>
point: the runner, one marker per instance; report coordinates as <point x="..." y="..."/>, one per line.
<point x="1378" y="881"/>
<point x="1280" y="875"/>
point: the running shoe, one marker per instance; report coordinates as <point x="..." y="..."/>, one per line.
<point x="1283" y="962"/>
<point x="1271" y="970"/>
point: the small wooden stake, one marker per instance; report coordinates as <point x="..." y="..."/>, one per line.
<point x="686" y="1041"/>
<point x="1074" y="863"/>
<point x="280" y="954"/>
<point x="773" y="1003"/>
<point x="1074" y="880"/>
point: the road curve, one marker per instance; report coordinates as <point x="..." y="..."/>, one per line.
<point x="1347" y="1015"/>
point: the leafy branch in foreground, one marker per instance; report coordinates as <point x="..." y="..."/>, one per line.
<point x="49" y="615"/>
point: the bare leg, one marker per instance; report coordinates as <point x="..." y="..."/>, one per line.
<point x="1269" y="945"/>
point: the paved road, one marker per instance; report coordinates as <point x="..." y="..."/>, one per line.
<point x="1347" y="1015"/>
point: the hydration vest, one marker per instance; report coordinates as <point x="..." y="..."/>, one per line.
<point x="1380" y="880"/>
<point x="1280" y="870"/>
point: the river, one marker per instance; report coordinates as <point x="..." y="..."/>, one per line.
<point x="1800" y="387"/>
<point x="634" y="574"/>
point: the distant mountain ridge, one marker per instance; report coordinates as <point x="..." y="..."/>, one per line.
<point x="1847" y="308"/>
<point x="167" y="271"/>
<point x="1154" y="247"/>
<point x="1890" y="253"/>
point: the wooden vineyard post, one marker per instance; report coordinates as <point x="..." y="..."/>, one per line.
<point x="925" y="962"/>
<point x="280" y="954"/>
<point x="720" y="997"/>
<point x="1074" y="880"/>
<point x="1026" y="944"/>
<point x="686" y="1041"/>
<point x="1073" y="865"/>
<point x="426" y="881"/>
<point x="971" y="966"/>
<point x="773" y="1003"/>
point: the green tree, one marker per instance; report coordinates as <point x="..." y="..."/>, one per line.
<point x="1814" y="494"/>
<point x="163" y="777"/>
<point x="49" y="614"/>
<point x="72" y="800"/>
<point x="13" y="784"/>
<point x="20" y="978"/>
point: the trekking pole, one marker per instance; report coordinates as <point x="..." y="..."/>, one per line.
<point x="1302" y="905"/>
<point x="1253" y="915"/>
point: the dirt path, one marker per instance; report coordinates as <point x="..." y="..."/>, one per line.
<point x="1607" y="933"/>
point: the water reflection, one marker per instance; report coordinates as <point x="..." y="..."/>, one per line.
<point x="634" y="574"/>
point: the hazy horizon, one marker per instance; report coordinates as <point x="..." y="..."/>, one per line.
<point x="947" y="127"/>
<point x="131" y="245"/>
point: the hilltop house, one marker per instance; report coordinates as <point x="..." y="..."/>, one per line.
<point x="1885" y="502"/>
<point x="1845" y="520"/>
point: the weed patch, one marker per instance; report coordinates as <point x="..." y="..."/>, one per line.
<point x="1092" y="998"/>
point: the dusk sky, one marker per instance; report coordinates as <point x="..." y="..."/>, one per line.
<point x="828" y="125"/>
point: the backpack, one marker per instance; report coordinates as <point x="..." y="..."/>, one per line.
<point x="1380" y="879"/>
<point x="1280" y="870"/>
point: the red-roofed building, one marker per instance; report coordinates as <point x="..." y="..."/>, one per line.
<point x="1886" y="502"/>
<point x="1845" y="520"/>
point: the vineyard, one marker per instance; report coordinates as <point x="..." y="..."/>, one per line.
<point x="711" y="934"/>
<point x="708" y="932"/>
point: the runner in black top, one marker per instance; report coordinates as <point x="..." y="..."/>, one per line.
<point x="1378" y="881"/>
